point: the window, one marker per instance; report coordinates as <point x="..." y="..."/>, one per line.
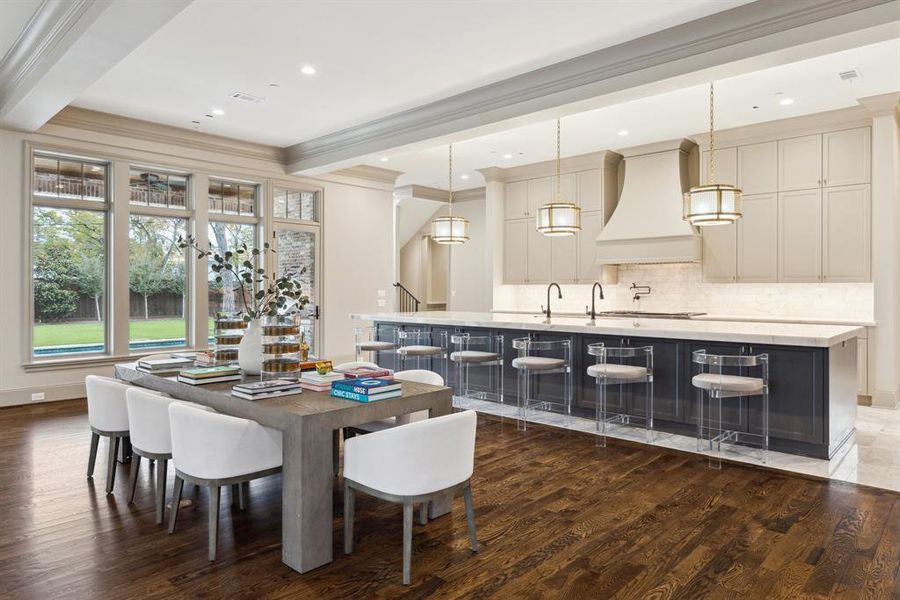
<point x="225" y="296"/>
<point x="232" y="198"/>
<point x="155" y="188"/>
<point x="157" y="280"/>
<point x="68" y="255"/>
<point x="295" y="204"/>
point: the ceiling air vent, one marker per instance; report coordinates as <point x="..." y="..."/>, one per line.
<point x="244" y="97"/>
<point x="850" y="75"/>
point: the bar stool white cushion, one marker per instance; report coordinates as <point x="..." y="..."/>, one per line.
<point x="614" y="371"/>
<point x="107" y="410"/>
<point x="473" y="356"/>
<point x="148" y="420"/>
<point x="419" y="350"/>
<point x="375" y="345"/>
<point x="538" y="363"/>
<point x="418" y="376"/>
<point x="728" y="383"/>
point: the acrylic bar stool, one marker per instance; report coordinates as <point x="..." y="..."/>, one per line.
<point x="714" y="385"/>
<point x="480" y="351"/>
<point x="621" y="366"/>
<point x="367" y="341"/>
<point x="541" y="358"/>
<point x="423" y="347"/>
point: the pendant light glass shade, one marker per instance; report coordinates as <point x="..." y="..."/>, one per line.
<point x="558" y="218"/>
<point x="712" y="203"/>
<point x="450" y="229"/>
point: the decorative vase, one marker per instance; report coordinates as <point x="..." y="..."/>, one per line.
<point x="250" y="350"/>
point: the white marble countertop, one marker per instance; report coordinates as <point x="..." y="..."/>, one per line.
<point x="715" y="317"/>
<point x="785" y="334"/>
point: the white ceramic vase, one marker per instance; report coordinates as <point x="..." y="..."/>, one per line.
<point x="250" y="350"/>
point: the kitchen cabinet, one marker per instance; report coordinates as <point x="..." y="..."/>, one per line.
<point x="846" y="233"/>
<point x="757" y="239"/>
<point x="800" y="163"/>
<point x="516" y="200"/>
<point x="515" y="255"/>
<point x="757" y="168"/>
<point x="590" y="191"/>
<point x="540" y="192"/>
<point x="667" y="380"/>
<point x="564" y="258"/>
<point x="862" y="366"/>
<point x="387" y="332"/>
<point x="591" y="225"/>
<point x="719" y="253"/>
<point x="568" y="188"/>
<point x="800" y="236"/>
<point x="845" y="157"/>
<point x="539" y="255"/>
<point x="726" y="165"/>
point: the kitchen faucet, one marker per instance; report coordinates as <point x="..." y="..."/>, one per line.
<point x="593" y="311"/>
<point x="547" y="312"/>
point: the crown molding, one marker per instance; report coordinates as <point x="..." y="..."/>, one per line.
<point x="423" y="192"/>
<point x="742" y="32"/>
<point x="681" y="144"/>
<point x="570" y="164"/>
<point x="369" y="172"/>
<point x="884" y="104"/>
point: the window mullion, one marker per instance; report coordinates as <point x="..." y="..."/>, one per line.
<point x="119" y="300"/>
<point x="198" y="268"/>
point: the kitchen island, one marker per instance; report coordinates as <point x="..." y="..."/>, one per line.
<point x="812" y="368"/>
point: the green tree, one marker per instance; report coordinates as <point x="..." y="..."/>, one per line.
<point x="92" y="279"/>
<point x="53" y="273"/>
<point x="145" y="276"/>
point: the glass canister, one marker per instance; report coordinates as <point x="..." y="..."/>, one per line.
<point x="280" y="347"/>
<point x="229" y="329"/>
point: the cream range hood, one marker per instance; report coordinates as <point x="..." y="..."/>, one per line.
<point x="646" y="226"/>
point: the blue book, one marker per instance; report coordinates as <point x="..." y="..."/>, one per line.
<point x="366" y="386"/>
<point x="348" y="395"/>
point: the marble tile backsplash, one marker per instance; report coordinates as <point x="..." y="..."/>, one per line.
<point x="680" y="288"/>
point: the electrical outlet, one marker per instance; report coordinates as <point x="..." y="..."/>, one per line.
<point x="382" y="293"/>
<point x="38" y="396"/>
<point x="382" y="304"/>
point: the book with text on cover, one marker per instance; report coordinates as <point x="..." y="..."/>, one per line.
<point x="366" y="386"/>
<point x="348" y="395"/>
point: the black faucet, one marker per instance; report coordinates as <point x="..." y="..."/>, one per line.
<point x="547" y="312"/>
<point x="593" y="311"/>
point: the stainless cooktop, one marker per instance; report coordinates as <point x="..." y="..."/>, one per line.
<point x="648" y="315"/>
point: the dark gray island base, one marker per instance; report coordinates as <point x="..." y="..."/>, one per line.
<point x="812" y="402"/>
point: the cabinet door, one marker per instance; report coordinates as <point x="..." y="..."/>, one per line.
<point x="800" y="163"/>
<point x="719" y="253"/>
<point x="516" y="200"/>
<point x="540" y="192"/>
<point x="667" y="381"/>
<point x="846" y="233"/>
<point x="539" y="255"/>
<point x="757" y="166"/>
<point x="568" y="188"/>
<point x="845" y="157"/>
<point x="800" y="236"/>
<point x="590" y="190"/>
<point x="726" y="165"/>
<point x="591" y="225"/>
<point x="757" y="239"/>
<point x="734" y="410"/>
<point x="564" y="258"/>
<point x="515" y="251"/>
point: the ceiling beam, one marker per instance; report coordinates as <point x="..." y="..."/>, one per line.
<point x="740" y="33"/>
<point x="65" y="47"/>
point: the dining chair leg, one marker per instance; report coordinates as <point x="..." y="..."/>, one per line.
<point x="243" y="488"/>
<point x="111" y="464"/>
<point x="423" y="513"/>
<point x="349" y="508"/>
<point x="176" y="501"/>
<point x="92" y="457"/>
<point x="213" y="520"/>
<point x="234" y="494"/>
<point x="407" y="540"/>
<point x="132" y="485"/>
<point x="470" y="517"/>
<point x="161" y="473"/>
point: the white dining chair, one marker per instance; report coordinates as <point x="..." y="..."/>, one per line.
<point x="213" y="450"/>
<point x="108" y="417"/>
<point x="148" y="422"/>
<point x="413" y="375"/>
<point x="412" y="464"/>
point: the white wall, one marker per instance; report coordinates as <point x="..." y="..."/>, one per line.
<point x="470" y="271"/>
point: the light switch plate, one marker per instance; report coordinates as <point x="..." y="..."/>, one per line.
<point x="381" y="293"/>
<point x="38" y="396"/>
<point x="382" y="303"/>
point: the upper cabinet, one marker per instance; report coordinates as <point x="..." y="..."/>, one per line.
<point x="800" y="163"/>
<point x="590" y="190"/>
<point x="515" y="251"/>
<point x="800" y="236"/>
<point x="719" y="253"/>
<point x="845" y="157"/>
<point x="757" y="239"/>
<point x="726" y="166"/>
<point x="540" y="192"/>
<point x="516" y="200"/>
<point x="847" y="234"/>
<point x="757" y="168"/>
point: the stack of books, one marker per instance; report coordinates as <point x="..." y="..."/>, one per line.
<point x="164" y="366"/>
<point x="272" y="388"/>
<point x="204" y="375"/>
<point x="367" y="373"/>
<point x="314" y="382"/>
<point x="365" y="390"/>
<point x="205" y="358"/>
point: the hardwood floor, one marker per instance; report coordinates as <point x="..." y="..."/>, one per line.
<point x="557" y="517"/>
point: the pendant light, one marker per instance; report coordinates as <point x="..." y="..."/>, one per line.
<point x="713" y="203"/>
<point x="450" y="229"/>
<point x="558" y="218"/>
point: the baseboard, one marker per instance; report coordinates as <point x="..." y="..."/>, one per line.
<point x="52" y="393"/>
<point x="885" y="399"/>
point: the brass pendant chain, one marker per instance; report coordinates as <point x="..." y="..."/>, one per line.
<point x="712" y="139"/>
<point x="558" y="199"/>
<point x="450" y="184"/>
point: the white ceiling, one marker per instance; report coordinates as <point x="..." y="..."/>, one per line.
<point x="14" y="16"/>
<point x="813" y="84"/>
<point x="373" y="58"/>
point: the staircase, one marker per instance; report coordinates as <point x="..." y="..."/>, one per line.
<point x="406" y="302"/>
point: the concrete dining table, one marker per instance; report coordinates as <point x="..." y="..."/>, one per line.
<point x="309" y="422"/>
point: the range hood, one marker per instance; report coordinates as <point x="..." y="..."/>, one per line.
<point x="646" y="226"/>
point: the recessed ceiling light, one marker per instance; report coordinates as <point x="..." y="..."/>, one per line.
<point x="384" y="159"/>
<point x="308" y="70"/>
<point x="786" y="101"/>
<point x="464" y="176"/>
<point x="623" y="132"/>
<point x="217" y="112"/>
<point x="507" y="156"/>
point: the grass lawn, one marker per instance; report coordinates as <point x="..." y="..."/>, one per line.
<point x="91" y="332"/>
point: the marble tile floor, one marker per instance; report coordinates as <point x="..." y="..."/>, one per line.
<point x="871" y="457"/>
